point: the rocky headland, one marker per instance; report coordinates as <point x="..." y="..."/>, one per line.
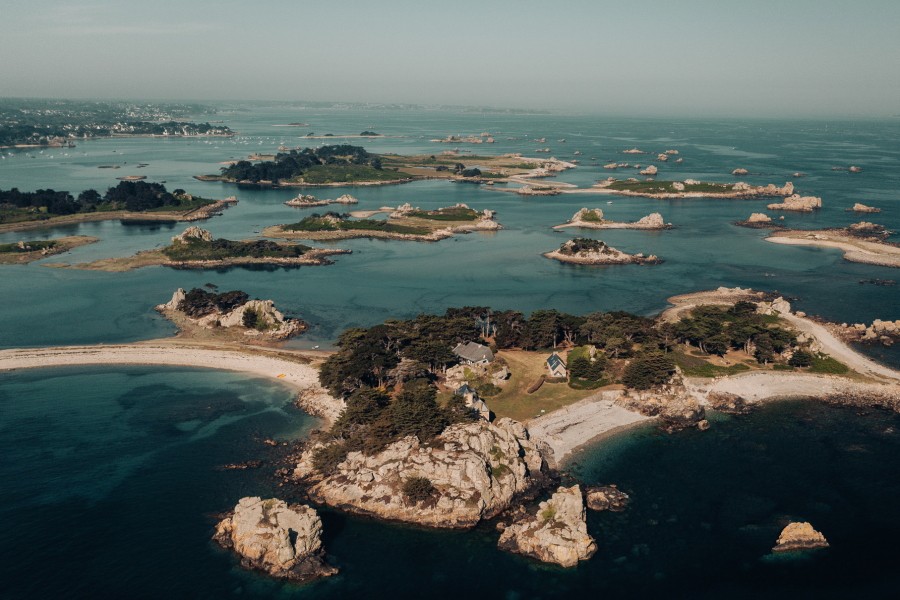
<point x="587" y="218"/>
<point x="799" y="536"/>
<point x="281" y="540"/>
<point x="583" y="251"/>
<point x="555" y="533"/>
<point x="231" y="312"/>
<point x="476" y="471"/>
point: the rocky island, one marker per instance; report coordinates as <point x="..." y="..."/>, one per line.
<point x="24" y="252"/>
<point x="689" y="188"/>
<point x="195" y="248"/>
<point x="200" y="313"/>
<point x="799" y="536"/>
<point x="281" y="540"/>
<point x="861" y="242"/>
<point x="594" y="219"/>
<point x="404" y="223"/>
<point x="798" y="203"/>
<point x="308" y="201"/>
<point x="585" y="251"/>
<point x="760" y="221"/>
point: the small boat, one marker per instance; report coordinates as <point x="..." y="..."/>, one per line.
<point x="609" y="201"/>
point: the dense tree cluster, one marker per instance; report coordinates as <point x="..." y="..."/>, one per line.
<point x="293" y="163"/>
<point x="582" y="245"/>
<point x="221" y="249"/>
<point x="135" y="196"/>
<point x="199" y="303"/>
<point x="716" y="330"/>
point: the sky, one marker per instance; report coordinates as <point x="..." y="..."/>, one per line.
<point x="763" y="58"/>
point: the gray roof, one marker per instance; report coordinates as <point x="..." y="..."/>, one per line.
<point x="473" y="352"/>
<point x="555" y="361"/>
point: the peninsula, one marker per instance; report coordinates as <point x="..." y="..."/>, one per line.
<point x="25" y="252"/>
<point x="404" y="223"/>
<point x="862" y="242"/>
<point x="689" y="188"/>
<point x="128" y="201"/>
<point x="195" y="248"/>
<point x="586" y="251"/>
<point x="594" y="219"/>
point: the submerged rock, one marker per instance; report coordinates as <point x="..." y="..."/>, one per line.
<point x="799" y="536"/>
<point x="557" y="533"/>
<point x="607" y="497"/>
<point x="282" y="540"/>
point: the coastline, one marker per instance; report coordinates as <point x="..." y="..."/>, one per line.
<point x="297" y="369"/>
<point x="854" y="249"/>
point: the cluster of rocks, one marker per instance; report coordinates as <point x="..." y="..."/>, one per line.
<point x="530" y="190"/>
<point x="593" y="218"/>
<point x="270" y="323"/>
<point x="862" y="208"/>
<point x="675" y="407"/>
<point x="799" y="536"/>
<point x="555" y="533"/>
<point x="798" y="203"/>
<point x="476" y="469"/>
<point x="868" y="230"/>
<point x="307" y="200"/>
<point x="607" y="497"/>
<point x="650" y="170"/>
<point x="885" y="332"/>
<point x="282" y="540"/>
<point x="192" y="233"/>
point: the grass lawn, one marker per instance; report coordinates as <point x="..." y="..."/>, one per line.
<point x="525" y="368"/>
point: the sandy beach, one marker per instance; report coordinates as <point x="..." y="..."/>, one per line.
<point x="855" y="249"/>
<point x="296" y="369"/>
<point x="578" y="424"/>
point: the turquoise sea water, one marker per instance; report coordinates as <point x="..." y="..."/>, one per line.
<point x="109" y="478"/>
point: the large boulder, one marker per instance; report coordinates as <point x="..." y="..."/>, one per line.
<point x="607" y="497"/>
<point x="652" y="221"/>
<point x="261" y="531"/>
<point x="799" y="536"/>
<point x="557" y="533"/>
<point x="476" y="470"/>
<point x="192" y="233"/>
<point x="651" y="170"/>
<point x="175" y="302"/>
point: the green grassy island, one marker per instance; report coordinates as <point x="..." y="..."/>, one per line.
<point x="403" y="223"/>
<point x="197" y="249"/>
<point x="25" y="252"/>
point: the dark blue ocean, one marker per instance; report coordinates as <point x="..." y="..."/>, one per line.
<point x="109" y="475"/>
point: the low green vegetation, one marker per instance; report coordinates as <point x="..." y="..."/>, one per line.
<point x="34" y="246"/>
<point x="418" y="489"/>
<point x="452" y="213"/>
<point x="336" y="222"/>
<point x="321" y="174"/>
<point x="133" y="196"/>
<point x="826" y="364"/>
<point x="591" y="217"/>
<point x="582" y="245"/>
<point x="666" y="187"/>
<point x="222" y="249"/>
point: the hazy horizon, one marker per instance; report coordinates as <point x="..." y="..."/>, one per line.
<point x="696" y="58"/>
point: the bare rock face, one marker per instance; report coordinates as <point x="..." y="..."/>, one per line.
<point x="652" y="221"/>
<point x="175" y="302"/>
<point x="476" y="470"/>
<point x="662" y="157"/>
<point x="727" y="403"/>
<point x="269" y="320"/>
<point x="651" y="170"/>
<point x="862" y="208"/>
<point x="796" y="202"/>
<point x="556" y="534"/>
<point x="799" y="536"/>
<point x="260" y="532"/>
<point x="192" y="233"/>
<point x="346" y="199"/>
<point x="759" y="221"/>
<point x="759" y="218"/>
<point x="677" y="185"/>
<point x="607" y="497"/>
